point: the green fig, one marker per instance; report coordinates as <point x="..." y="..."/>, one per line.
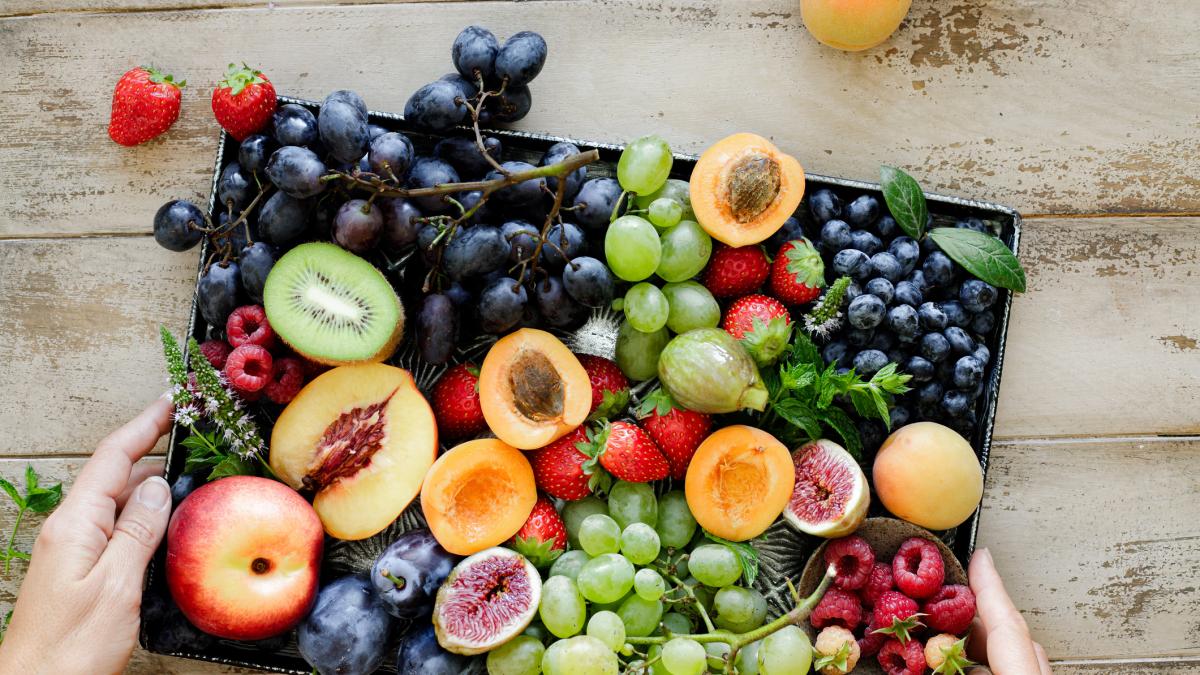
<point x="709" y="371"/>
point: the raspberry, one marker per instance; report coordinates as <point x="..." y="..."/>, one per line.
<point x="249" y="368"/>
<point x="286" y="381"/>
<point x="946" y="654"/>
<point x="951" y="609"/>
<point x="216" y="351"/>
<point x="248" y="325"/>
<point x="853" y="558"/>
<point x="837" y="608"/>
<point x="917" y="568"/>
<point x="879" y="582"/>
<point x="836" y="651"/>
<point x="870" y="642"/>
<point x="896" y="614"/>
<point x="902" y="658"/>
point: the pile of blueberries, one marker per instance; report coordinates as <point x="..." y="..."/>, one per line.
<point x="909" y="304"/>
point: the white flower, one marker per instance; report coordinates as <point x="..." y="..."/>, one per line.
<point x="211" y="406"/>
<point x="186" y="415"/>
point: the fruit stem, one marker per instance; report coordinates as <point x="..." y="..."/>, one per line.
<point x="400" y="583"/>
<point x="699" y="605"/>
<point x="754" y="398"/>
<point x="12" y="538"/>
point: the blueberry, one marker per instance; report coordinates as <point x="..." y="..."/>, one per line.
<point x="983" y="323"/>
<point x="865" y="311"/>
<point x="295" y="125"/>
<point x="960" y="342"/>
<point x="882" y="340"/>
<point x="343" y="129"/>
<point x="595" y="202"/>
<point x="185" y="485"/>
<point x="254" y="152"/>
<point x="882" y="289"/>
<point x="971" y="224"/>
<point x="908" y="294"/>
<point x="176" y="223"/>
<point x="296" y="171"/>
<point x="428" y="172"/>
<point x="510" y="105"/>
<point x="930" y="393"/>
<point x="256" y="262"/>
<point x="932" y="317"/>
<point x="906" y="251"/>
<point x="217" y="292"/>
<point x="527" y="192"/>
<point x="897" y="355"/>
<point x="899" y="416"/>
<point x="968" y="372"/>
<point x="791" y="230"/>
<point x="858" y="337"/>
<point x="836" y="352"/>
<point x="564" y="241"/>
<point x="862" y="211"/>
<point x="955" y="403"/>
<point x="555" y="154"/>
<point x="872" y="433"/>
<point x="474" y="53"/>
<point x="928" y="246"/>
<point x="976" y="296"/>
<point x="853" y="290"/>
<point x="588" y="281"/>
<point x="956" y="315"/>
<point x="920" y="368"/>
<point x="283" y="220"/>
<point x="982" y="354"/>
<point x="347" y="629"/>
<point x="835" y="235"/>
<point x="938" y="268"/>
<point x="887" y="266"/>
<point x="917" y="278"/>
<point x="521" y="58"/>
<point x="852" y="262"/>
<point x="390" y="155"/>
<point x="869" y="361"/>
<point x="437" y="106"/>
<point x="903" y="320"/>
<point x="886" y="227"/>
<point x="463" y="154"/>
<point x="935" y="347"/>
<point x="865" y="241"/>
<point x="825" y="205"/>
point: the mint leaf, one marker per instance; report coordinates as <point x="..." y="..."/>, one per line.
<point x="905" y="200"/>
<point x="4" y="625"/>
<point x="11" y="490"/>
<point x="805" y="350"/>
<point x="44" y="500"/>
<point x="231" y="466"/>
<point x="796" y="413"/>
<point x="981" y="254"/>
<point x="746" y="554"/>
<point x="837" y="419"/>
<point x="31" y="479"/>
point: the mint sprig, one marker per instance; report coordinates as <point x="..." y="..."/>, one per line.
<point x="37" y="499"/>
<point x="746" y="554"/>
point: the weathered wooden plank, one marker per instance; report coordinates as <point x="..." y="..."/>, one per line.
<point x="1164" y="667"/>
<point x="21" y="8"/>
<point x="1033" y="104"/>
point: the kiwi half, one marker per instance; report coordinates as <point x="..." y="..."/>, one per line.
<point x="332" y="306"/>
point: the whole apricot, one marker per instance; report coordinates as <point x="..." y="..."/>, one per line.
<point x="853" y="25"/>
<point x="928" y="474"/>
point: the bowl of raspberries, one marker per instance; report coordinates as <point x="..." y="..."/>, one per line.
<point x="899" y="603"/>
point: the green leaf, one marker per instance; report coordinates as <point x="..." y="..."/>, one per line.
<point x="983" y="255"/>
<point x="11" y="490"/>
<point x="890" y="380"/>
<point x="44" y="500"/>
<point x="746" y="554"/>
<point x="863" y="402"/>
<point x="796" y="413"/>
<point x="837" y="419"/>
<point x="805" y="350"/>
<point x="905" y="200"/>
<point x="231" y="466"/>
<point x="31" y="479"/>
<point x="4" y="625"/>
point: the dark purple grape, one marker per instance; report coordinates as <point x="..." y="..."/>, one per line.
<point x="390" y="155"/>
<point x="459" y="294"/>
<point x="350" y="97"/>
<point x="521" y="58"/>
<point x="556" y="154"/>
<point x="553" y="303"/>
<point x="347" y="630"/>
<point x="283" y="220"/>
<point x="563" y="242"/>
<point x="501" y="305"/>
<point x="375" y="131"/>
<point x="175" y="225"/>
<point x="428" y="172"/>
<point x="256" y="262"/>
<point x="588" y="281"/>
<point x="254" y="152"/>
<point x="406" y="576"/>
<point x="469" y="200"/>
<point x="343" y="129"/>
<point x="474" y="53"/>
<point x="217" y="292"/>
<point x="295" y="125"/>
<point x="437" y="106"/>
<point x="474" y="252"/>
<point x="357" y="225"/>
<point x="595" y="202"/>
<point x="522" y="239"/>
<point x="425" y="237"/>
<point x="462" y="154"/>
<point x="400" y="224"/>
<point x="467" y="88"/>
<point x="296" y="171"/>
<point x="234" y="188"/>
<point x="519" y="194"/>
<point x="511" y="105"/>
<point x="437" y="333"/>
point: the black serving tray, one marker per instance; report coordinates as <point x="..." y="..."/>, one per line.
<point x="785" y="550"/>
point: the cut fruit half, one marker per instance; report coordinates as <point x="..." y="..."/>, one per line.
<point x="361" y="438"/>
<point x="738" y="482"/>
<point x="743" y="189"/>
<point x="332" y="306"/>
<point x="487" y="600"/>
<point x="831" y="496"/>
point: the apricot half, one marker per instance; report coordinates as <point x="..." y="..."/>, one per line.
<point x="532" y="389"/>
<point x="853" y="25"/>
<point x="477" y="495"/>
<point x="360" y="437"/>
<point x="743" y="189"/>
<point x="739" y="481"/>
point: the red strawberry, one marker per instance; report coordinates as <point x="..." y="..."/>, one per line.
<point x="558" y="468"/>
<point x="244" y="101"/>
<point x="761" y="324"/>
<point x="736" y="271"/>
<point x="677" y="432"/>
<point x="455" y="400"/>
<point x="798" y="274"/>
<point x="145" y="104"/>
<point x="627" y="452"/>
<point x="610" y="387"/>
<point x="543" y="537"/>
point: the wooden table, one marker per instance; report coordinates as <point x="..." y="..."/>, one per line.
<point x="1084" y="115"/>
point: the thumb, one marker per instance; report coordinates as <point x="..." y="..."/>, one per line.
<point x="139" y="529"/>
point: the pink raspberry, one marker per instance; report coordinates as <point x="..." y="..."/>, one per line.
<point x="878" y="583"/>
<point x="249" y="368"/>
<point x="853" y="559"/>
<point x="917" y="568"/>
<point x="837" y="608"/>
<point x="248" y="325"/>
<point x="215" y="351"/>
<point x="951" y="609"/>
<point x="871" y="641"/>
<point x="898" y="658"/>
<point x="286" y="381"/>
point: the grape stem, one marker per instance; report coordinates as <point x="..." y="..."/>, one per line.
<point x="699" y="605"/>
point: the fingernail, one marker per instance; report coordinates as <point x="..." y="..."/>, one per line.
<point x="986" y="554"/>
<point x="154" y="493"/>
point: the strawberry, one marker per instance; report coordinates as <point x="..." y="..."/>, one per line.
<point x="736" y="271"/>
<point x="798" y="274"/>
<point x="145" y="104"/>
<point x="627" y="452"/>
<point x="610" y="387"/>
<point x="543" y="537"/>
<point x="677" y="432"/>
<point x="762" y="324"/>
<point x="455" y="400"/>
<point x="558" y="468"/>
<point x="244" y="101"/>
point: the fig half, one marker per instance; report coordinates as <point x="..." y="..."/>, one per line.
<point x="487" y="600"/>
<point x="831" y="496"/>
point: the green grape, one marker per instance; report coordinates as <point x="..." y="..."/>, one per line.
<point x="692" y="306"/>
<point x="785" y="652"/>
<point x="521" y="655"/>
<point x="537" y="631"/>
<point x="648" y="584"/>
<point x="637" y="352"/>
<point x="747" y="659"/>
<point x="685" y="251"/>
<point x="639" y="543"/>
<point x="608" y="606"/>
<point x="641" y="616"/>
<point x="630" y="503"/>
<point x="682" y="656"/>
<point x="607" y="628"/>
<point x="562" y="608"/>
<point x="644" y="165"/>
<point x="581" y="655"/>
<point x="676" y="525"/>
<point x="664" y="213"/>
<point x="715" y="565"/>
<point x="569" y="563"/>
<point x="632" y="248"/>
<point x="677" y="623"/>
<point x="606" y="578"/>
<point x="739" y="609"/>
<point x="599" y="534"/>
<point x="646" y="307"/>
<point x="618" y="304"/>
<point x="716" y="652"/>
<point x="654" y="657"/>
<point x="674" y="188"/>
<point x="552" y="659"/>
<point x="574" y="513"/>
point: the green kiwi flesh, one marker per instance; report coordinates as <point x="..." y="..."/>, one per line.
<point x="332" y="306"/>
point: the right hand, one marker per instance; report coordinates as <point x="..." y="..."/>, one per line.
<point x="999" y="637"/>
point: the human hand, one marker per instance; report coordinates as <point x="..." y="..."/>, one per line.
<point x="999" y="636"/>
<point x="78" y="608"/>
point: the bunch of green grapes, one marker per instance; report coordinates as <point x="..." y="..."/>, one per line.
<point x="639" y="567"/>
<point x="658" y="247"/>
